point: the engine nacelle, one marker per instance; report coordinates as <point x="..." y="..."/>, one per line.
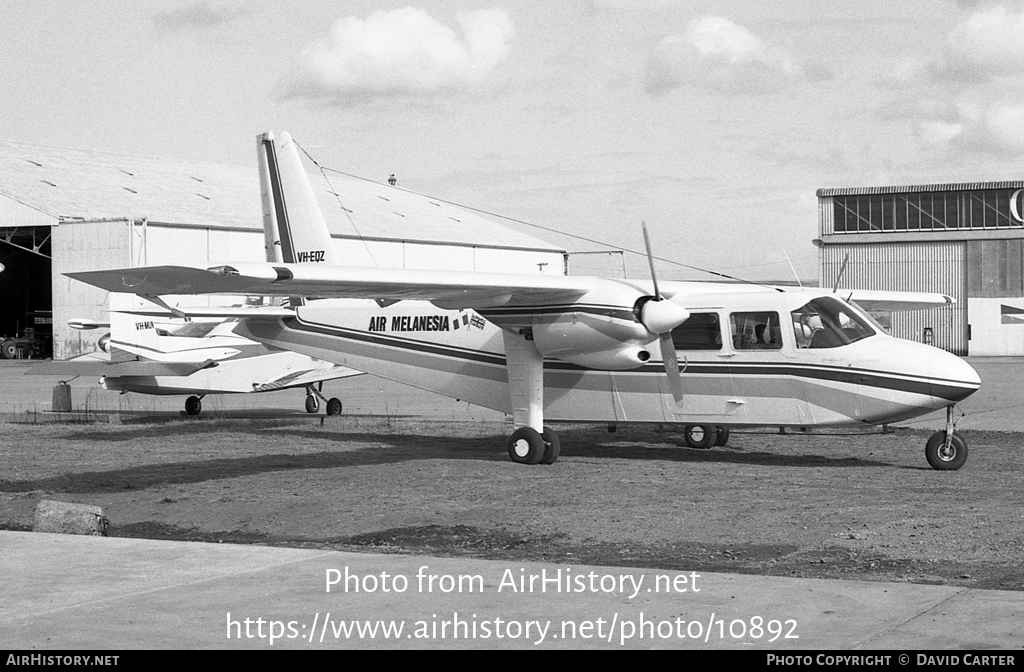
<point x="610" y="360"/>
<point x="608" y="342"/>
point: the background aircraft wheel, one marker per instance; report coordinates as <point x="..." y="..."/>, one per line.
<point x="9" y="349"/>
<point x="700" y="436"/>
<point x="942" y="459"/>
<point x="193" y="406"/>
<point x="723" y="435"/>
<point x="526" y="446"/>
<point x="312" y="403"/>
<point x="334" y="406"/>
<point x="552" y="447"/>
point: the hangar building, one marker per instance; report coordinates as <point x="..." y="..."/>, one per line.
<point x="964" y="240"/>
<point x="65" y="210"/>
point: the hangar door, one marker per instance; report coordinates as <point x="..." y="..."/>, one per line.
<point x="25" y="298"/>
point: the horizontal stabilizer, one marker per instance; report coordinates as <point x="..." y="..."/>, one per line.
<point x="871" y="299"/>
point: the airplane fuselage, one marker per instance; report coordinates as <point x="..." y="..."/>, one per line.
<point x="728" y="377"/>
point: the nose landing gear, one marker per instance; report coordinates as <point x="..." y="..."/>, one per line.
<point x="946" y="450"/>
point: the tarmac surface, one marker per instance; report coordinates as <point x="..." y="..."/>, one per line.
<point x="64" y="592"/>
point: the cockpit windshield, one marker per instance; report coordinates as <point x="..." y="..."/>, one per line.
<point x="829" y="323"/>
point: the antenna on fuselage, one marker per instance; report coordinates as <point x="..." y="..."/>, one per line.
<point x="842" y="270"/>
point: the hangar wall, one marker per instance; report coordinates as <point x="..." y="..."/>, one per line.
<point x="964" y="240"/>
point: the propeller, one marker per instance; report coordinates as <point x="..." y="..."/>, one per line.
<point x="660" y="317"/>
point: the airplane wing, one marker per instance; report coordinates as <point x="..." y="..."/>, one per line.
<point x="252" y="313"/>
<point x="446" y="289"/>
<point x="95" y="367"/>
<point x="871" y="299"/>
<point x="307" y="377"/>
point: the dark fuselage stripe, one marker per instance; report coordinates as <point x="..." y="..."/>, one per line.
<point x="944" y="389"/>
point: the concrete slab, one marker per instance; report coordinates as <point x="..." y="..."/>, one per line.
<point x="76" y="592"/>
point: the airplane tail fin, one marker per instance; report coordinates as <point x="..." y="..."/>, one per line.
<point x="131" y="336"/>
<point x="293" y="225"/>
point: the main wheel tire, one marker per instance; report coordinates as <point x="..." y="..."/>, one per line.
<point x="942" y="459"/>
<point x="193" y="406"/>
<point x="552" y="446"/>
<point x="334" y="406"/>
<point x="312" y="403"/>
<point x="9" y="349"/>
<point x="700" y="436"/>
<point x="526" y="446"/>
<point x="723" y="435"/>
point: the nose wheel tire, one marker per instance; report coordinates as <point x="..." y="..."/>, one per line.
<point x="334" y="406"/>
<point x="945" y="458"/>
<point x="700" y="436"/>
<point x="312" y="403"/>
<point x="193" y="406"/>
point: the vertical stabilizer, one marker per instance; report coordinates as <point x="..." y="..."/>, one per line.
<point x="131" y="337"/>
<point x="293" y="224"/>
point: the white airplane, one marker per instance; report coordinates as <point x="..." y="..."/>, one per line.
<point x="583" y="348"/>
<point x="195" y="358"/>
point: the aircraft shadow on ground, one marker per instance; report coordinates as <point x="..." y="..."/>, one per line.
<point x="383" y="449"/>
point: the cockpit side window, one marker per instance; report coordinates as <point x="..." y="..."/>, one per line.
<point x="828" y="323"/>
<point x="702" y="331"/>
<point x="756" y="331"/>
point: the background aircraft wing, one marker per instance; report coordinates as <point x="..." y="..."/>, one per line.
<point x="446" y="289"/>
<point x="871" y="299"/>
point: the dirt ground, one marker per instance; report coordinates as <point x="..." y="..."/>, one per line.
<point x="854" y="506"/>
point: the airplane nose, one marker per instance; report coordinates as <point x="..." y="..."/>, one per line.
<point x="952" y="379"/>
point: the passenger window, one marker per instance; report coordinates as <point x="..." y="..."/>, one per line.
<point x="756" y="331"/>
<point x="702" y="331"/>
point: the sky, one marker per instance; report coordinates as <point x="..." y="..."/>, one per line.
<point x="713" y="122"/>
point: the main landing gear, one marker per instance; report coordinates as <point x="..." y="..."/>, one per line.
<point x="946" y="450"/>
<point x="705" y="436"/>
<point x="194" y="404"/>
<point x="528" y="446"/>
<point x="313" y="397"/>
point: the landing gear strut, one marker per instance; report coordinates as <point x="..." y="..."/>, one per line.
<point x="528" y="445"/>
<point x="946" y="450"/>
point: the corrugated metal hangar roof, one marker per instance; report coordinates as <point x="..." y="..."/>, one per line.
<point x="918" y="188"/>
<point x="70" y="183"/>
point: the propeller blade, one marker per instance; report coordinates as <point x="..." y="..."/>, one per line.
<point x="668" y="356"/>
<point x="650" y="260"/>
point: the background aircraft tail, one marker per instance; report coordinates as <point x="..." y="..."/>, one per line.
<point x="131" y="336"/>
